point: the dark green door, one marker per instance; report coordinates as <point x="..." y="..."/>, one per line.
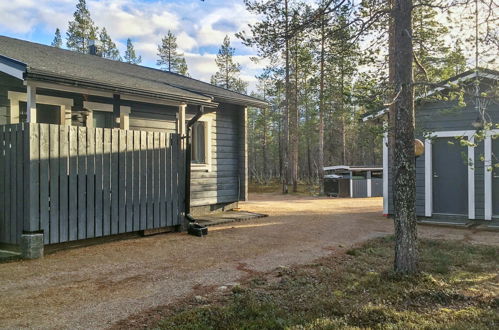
<point x="495" y="178"/>
<point x="450" y="177"/>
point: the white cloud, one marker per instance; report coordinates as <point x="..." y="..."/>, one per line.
<point x="186" y="42"/>
<point x="197" y="25"/>
<point x="211" y="33"/>
<point x="24" y="16"/>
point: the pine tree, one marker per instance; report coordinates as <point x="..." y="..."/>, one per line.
<point x="130" y="56"/>
<point x="169" y="57"/>
<point x="57" y="42"/>
<point x="107" y="47"/>
<point x="183" y="68"/>
<point x="81" y="30"/>
<point x="227" y="75"/>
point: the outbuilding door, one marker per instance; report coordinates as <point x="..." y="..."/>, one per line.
<point x="450" y="177"/>
<point x="495" y="178"/>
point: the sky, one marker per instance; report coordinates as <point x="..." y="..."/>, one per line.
<point x="200" y="27"/>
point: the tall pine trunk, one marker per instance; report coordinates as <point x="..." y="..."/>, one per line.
<point x="293" y="135"/>
<point x="285" y="147"/>
<point x="264" y="147"/>
<point x="321" y="112"/>
<point x="402" y="126"/>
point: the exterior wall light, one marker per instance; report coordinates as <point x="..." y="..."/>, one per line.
<point x="418" y="147"/>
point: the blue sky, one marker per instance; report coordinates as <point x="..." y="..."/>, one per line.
<point x="200" y="27"/>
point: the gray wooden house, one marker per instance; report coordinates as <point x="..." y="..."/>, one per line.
<point x="91" y="147"/>
<point x="453" y="179"/>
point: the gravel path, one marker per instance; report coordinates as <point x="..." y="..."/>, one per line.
<point x="96" y="286"/>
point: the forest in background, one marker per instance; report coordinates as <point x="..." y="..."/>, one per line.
<point x="328" y="67"/>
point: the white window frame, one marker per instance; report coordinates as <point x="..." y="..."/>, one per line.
<point x="429" y="170"/>
<point x="106" y="107"/>
<point x="207" y="119"/>
<point x="65" y="104"/>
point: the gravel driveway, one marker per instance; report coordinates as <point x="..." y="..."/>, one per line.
<point x="96" y="286"/>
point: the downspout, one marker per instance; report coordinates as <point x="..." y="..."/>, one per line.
<point x="193" y="228"/>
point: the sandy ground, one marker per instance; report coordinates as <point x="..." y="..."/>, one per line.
<point x="96" y="286"/>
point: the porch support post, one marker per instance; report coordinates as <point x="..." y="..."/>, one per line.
<point x="62" y="115"/>
<point x="182" y="165"/>
<point x="31" y="103"/>
<point x="181" y="128"/>
<point x="124" y="119"/>
<point x="14" y="111"/>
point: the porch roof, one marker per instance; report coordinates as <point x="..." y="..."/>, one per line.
<point x="45" y="63"/>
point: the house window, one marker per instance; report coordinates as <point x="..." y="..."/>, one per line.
<point x="45" y="113"/>
<point x="102" y="119"/>
<point x="198" y="142"/>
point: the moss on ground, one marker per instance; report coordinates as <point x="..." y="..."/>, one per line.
<point x="457" y="289"/>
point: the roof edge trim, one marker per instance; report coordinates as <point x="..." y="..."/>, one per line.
<point x="482" y="73"/>
<point x="39" y="76"/>
<point x="12" y="67"/>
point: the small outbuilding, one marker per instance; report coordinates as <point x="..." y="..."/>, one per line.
<point x="353" y="181"/>
<point x="457" y="177"/>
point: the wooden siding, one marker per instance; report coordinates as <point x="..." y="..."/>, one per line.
<point x="224" y="183"/>
<point x="76" y="182"/>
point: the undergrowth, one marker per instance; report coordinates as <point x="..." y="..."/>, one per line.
<point x="457" y="289"/>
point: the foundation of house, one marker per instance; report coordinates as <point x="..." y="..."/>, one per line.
<point x="32" y="246"/>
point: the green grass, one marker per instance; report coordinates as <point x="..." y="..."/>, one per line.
<point x="457" y="289"/>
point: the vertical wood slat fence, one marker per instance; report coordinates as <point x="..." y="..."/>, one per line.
<point x="76" y="182"/>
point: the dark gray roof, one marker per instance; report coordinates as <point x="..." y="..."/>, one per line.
<point x="48" y="62"/>
<point x="443" y="85"/>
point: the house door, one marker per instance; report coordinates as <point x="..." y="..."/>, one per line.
<point x="495" y="178"/>
<point x="450" y="177"/>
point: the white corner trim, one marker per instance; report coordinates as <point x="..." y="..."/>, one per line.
<point x="385" y="173"/>
<point x="487" y="175"/>
<point x="351" y="184"/>
<point x="487" y="178"/>
<point x="41" y="99"/>
<point x="369" y="184"/>
<point x="11" y="71"/>
<point x="97" y="106"/>
<point x="429" y="171"/>
<point x="471" y="179"/>
<point x="428" y="180"/>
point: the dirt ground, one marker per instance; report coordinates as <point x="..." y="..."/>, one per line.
<point x="97" y="286"/>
